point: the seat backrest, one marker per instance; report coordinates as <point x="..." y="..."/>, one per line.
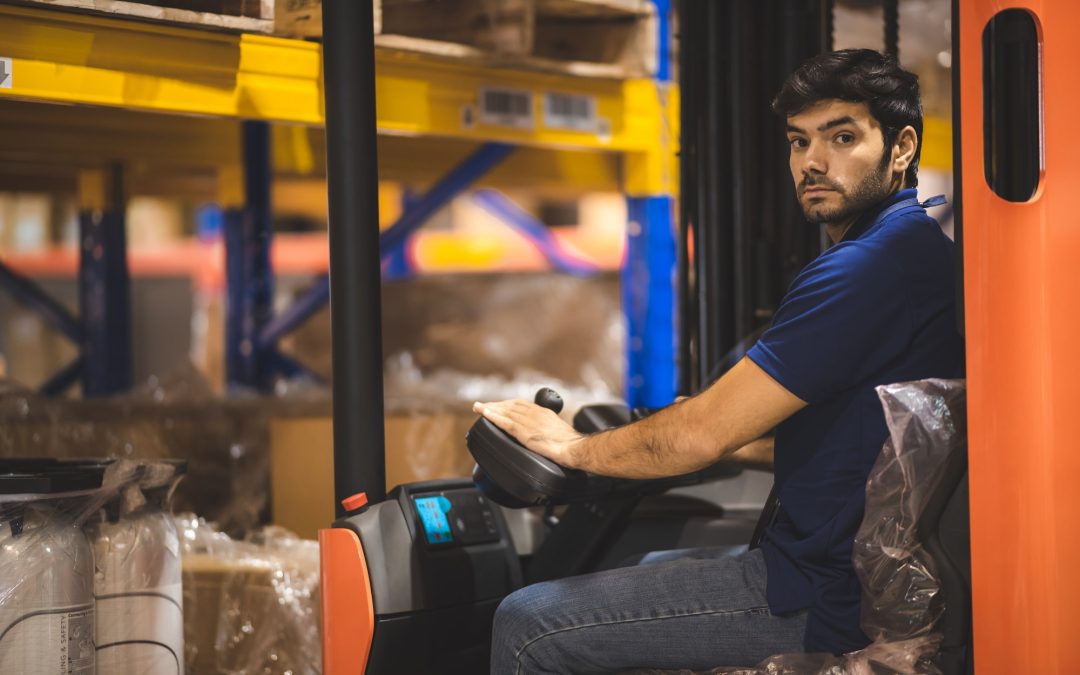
<point x="944" y="530"/>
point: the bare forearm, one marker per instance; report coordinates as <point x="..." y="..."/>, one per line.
<point x="667" y="443"/>
<point x="754" y="455"/>
<point x="647" y="454"/>
<point x="740" y="407"/>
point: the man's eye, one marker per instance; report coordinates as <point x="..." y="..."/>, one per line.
<point x="845" y="138"/>
<point x="798" y="143"/>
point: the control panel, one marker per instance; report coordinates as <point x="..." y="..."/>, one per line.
<point x="449" y="518"/>
<point x="440" y="559"/>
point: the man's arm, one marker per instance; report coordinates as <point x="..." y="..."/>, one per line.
<point x="737" y="409"/>
<point x="754" y="455"/>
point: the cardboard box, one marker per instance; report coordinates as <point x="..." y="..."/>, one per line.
<point x="246" y="610"/>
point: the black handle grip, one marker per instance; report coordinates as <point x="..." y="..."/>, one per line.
<point x="550" y="399"/>
<point x="509" y="473"/>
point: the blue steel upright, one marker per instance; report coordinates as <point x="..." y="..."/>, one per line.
<point x="648" y="288"/>
<point x="249" y="277"/>
<point x="28" y="294"/>
<point x="649" y="277"/>
<point x="105" y="296"/>
<point x="396" y="263"/>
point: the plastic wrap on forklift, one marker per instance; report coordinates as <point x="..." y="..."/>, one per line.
<point x="902" y="585"/>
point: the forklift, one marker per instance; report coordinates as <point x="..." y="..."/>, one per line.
<point x="412" y="579"/>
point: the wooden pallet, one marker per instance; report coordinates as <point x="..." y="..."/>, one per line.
<point x="610" y="38"/>
<point x="249" y="16"/>
<point x="602" y="38"/>
<point x="622" y="33"/>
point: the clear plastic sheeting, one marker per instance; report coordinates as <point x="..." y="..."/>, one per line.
<point x="927" y="424"/>
<point x="429" y="413"/>
<point x="25" y="422"/>
<point x="901" y="589"/>
<point x="47" y="577"/>
<point x="51" y="575"/>
<point x="567" y="329"/>
<point x="250" y="606"/>
<point x="225" y="442"/>
<point x="137" y="582"/>
<point x="408" y="388"/>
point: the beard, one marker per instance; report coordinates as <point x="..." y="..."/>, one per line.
<point x="873" y="187"/>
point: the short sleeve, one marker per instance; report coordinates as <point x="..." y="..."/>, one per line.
<point x="846" y="317"/>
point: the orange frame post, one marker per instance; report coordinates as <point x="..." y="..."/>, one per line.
<point x="1022" y="272"/>
<point x="348" y="610"/>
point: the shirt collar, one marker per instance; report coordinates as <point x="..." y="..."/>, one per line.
<point x="869" y="218"/>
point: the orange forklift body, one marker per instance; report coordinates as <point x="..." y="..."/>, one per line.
<point x="1022" y="275"/>
<point x="348" y="610"/>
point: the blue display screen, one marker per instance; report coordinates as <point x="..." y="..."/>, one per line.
<point x="432" y="512"/>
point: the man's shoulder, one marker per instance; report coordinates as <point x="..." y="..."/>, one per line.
<point x="914" y="244"/>
<point x="913" y="229"/>
<point x="907" y="239"/>
<point x="849" y="262"/>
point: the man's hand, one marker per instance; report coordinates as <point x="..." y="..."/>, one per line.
<point x="537" y="428"/>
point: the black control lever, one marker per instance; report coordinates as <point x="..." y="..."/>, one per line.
<point x="512" y="475"/>
<point x="550" y="399"/>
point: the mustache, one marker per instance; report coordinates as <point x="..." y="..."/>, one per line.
<point x="818" y="181"/>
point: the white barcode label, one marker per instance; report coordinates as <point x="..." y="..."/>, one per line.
<point x="506" y="108"/>
<point x="570" y="111"/>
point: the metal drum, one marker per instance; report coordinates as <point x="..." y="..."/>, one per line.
<point x="137" y="582"/>
<point x="46" y="571"/>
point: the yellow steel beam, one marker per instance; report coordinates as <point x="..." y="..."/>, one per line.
<point x="654" y="171"/>
<point x="72" y="58"/>
<point x="419" y="95"/>
<point x="90" y="137"/>
<point x="46" y="146"/>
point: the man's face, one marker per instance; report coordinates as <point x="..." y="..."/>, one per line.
<point x="838" y="161"/>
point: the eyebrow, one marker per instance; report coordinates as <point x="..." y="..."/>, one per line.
<point x="839" y="121"/>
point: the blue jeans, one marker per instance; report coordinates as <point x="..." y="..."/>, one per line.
<point x="695" y="609"/>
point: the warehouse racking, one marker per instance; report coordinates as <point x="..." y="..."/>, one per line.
<point x="218" y="99"/>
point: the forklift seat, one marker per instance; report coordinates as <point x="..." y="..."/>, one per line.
<point x="944" y="530"/>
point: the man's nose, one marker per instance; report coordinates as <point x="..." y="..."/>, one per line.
<point x="814" y="160"/>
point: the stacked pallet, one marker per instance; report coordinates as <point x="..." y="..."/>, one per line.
<point x="615" y="38"/>
<point x="612" y="38"/>
<point x="248" y="16"/>
<point x="617" y="33"/>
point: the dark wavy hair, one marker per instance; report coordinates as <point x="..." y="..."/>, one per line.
<point x="859" y="75"/>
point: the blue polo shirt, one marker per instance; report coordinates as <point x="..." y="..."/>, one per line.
<point x="876" y="308"/>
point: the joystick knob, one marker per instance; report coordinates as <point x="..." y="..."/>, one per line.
<point x="550" y="399"/>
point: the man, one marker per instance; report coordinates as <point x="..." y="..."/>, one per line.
<point x="876" y="307"/>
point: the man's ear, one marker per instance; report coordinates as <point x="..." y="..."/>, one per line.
<point x="907" y="142"/>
